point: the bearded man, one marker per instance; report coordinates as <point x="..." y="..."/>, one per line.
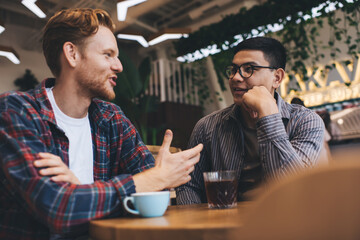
<point x="67" y="157"/>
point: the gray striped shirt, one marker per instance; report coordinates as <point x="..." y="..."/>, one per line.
<point x="288" y="141"/>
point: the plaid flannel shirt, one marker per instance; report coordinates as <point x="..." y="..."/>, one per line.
<point x="33" y="206"/>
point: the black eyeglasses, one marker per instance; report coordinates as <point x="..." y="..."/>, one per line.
<point x="246" y="70"/>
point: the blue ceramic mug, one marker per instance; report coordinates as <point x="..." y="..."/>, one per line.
<point x="148" y="204"/>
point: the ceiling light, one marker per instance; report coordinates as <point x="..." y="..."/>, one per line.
<point x="123" y="5"/>
<point x="163" y="35"/>
<point x="167" y="36"/>
<point x="35" y="8"/>
<point x="10" y="54"/>
<point x="138" y="38"/>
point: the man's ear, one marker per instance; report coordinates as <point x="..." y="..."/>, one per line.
<point x="279" y="76"/>
<point x="71" y="53"/>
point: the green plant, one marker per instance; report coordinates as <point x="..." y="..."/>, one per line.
<point x="200" y="77"/>
<point x="258" y="17"/>
<point x="131" y="96"/>
<point x="221" y="61"/>
<point x="26" y="82"/>
<point x="299" y="35"/>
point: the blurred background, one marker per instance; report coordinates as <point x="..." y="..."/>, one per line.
<point x="175" y="52"/>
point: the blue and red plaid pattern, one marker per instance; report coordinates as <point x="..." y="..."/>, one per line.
<point x="33" y="206"/>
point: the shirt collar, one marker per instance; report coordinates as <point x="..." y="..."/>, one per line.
<point x="41" y="97"/>
<point x="282" y="106"/>
<point x="101" y="112"/>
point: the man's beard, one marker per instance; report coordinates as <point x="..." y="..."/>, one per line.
<point x="97" y="89"/>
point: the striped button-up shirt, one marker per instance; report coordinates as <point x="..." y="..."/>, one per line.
<point x="288" y="141"/>
<point x="33" y="206"/>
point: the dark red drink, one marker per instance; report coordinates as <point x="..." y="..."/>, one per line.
<point x="221" y="194"/>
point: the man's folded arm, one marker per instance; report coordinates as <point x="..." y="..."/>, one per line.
<point x="61" y="206"/>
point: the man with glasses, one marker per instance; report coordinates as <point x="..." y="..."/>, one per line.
<point x="260" y="136"/>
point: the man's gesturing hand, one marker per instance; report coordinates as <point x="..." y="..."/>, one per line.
<point x="52" y="165"/>
<point x="171" y="170"/>
<point x="176" y="167"/>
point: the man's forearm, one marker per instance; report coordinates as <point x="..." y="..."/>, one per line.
<point x="148" y="181"/>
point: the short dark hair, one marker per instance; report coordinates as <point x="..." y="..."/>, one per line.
<point x="298" y="101"/>
<point x="73" y="25"/>
<point x="274" y="51"/>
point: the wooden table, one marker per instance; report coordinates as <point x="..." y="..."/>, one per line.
<point x="187" y="222"/>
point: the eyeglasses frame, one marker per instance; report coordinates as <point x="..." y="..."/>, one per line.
<point x="252" y="69"/>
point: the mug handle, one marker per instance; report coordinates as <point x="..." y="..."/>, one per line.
<point x="131" y="199"/>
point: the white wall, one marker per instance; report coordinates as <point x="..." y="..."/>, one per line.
<point x="29" y="59"/>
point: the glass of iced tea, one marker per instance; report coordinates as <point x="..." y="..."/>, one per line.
<point x="221" y="189"/>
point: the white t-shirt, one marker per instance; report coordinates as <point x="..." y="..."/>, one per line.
<point x="78" y="131"/>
